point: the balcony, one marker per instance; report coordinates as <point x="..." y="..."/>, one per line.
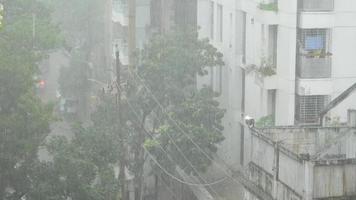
<point x="316" y="5"/>
<point x="314" y="67"/>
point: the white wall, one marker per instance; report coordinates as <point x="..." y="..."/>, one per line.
<point x="343" y="66"/>
<point x="284" y="82"/>
<point x="230" y="98"/>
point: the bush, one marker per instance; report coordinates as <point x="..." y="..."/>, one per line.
<point x="268" y="6"/>
<point x="266" y="121"/>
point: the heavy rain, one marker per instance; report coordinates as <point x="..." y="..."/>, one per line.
<point x="177" y="100"/>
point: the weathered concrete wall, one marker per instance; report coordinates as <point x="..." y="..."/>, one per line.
<point x="261" y="153"/>
<point x="299" y="178"/>
<point x="262" y="160"/>
<point x="308" y="140"/>
<point x="335" y="179"/>
<point x="291" y="172"/>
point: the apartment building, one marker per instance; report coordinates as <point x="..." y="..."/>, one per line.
<point x="284" y="61"/>
<point x="297" y="57"/>
<point x="216" y="20"/>
<point x="120" y="20"/>
<point x="219" y="20"/>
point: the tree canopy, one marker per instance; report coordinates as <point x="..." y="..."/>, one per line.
<point x="24" y="120"/>
<point x="169" y="69"/>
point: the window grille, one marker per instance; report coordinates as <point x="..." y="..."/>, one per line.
<point x="314" y="39"/>
<point x="314" y="57"/>
<point x="309" y="107"/>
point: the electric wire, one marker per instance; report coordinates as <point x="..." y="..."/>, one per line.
<point x="181" y="152"/>
<point x="161" y="147"/>
<point x="169" y="188"/>
<point x="184" y="133"/>
<point x="173" y="176"/>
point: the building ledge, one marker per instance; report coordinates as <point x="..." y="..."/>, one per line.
<point x="316" y="20"/>
<point x="314" y="86"/>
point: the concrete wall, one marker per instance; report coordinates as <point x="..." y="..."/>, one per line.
<point x="312" y="140"/>
<point x="335" y="180"/>
<point x="298" y="177"/>
<point x="261" y="151"/>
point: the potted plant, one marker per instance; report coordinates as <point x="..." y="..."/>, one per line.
<point x="264" y="70"/>
<point x="273" y="6"/>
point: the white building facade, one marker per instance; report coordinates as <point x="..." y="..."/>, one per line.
<point x="218" y="21"/>
<point x="298" y="55"/>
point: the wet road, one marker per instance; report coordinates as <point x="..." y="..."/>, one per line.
<point x="50" y="70"/>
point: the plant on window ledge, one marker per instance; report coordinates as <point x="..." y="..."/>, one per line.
<point x="266" y="68"/>
<point x="266" y="121"/>
<point x="318" y="54"/>
<point x="269" y="6"/>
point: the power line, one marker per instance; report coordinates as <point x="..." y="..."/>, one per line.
<point x="178" y="179"/>
<point x="181" y="152"/>
<point x="184" y="133"/>
<point x="169" y="188"/>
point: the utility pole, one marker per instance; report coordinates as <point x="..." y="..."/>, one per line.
<point x="122" y="158"/>
<point x="132" y="32"/>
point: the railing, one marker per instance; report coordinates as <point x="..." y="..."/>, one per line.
<point x="316" y="5"/>
<point x="314" y="67"/>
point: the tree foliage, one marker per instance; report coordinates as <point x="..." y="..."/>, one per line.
<point x="24" y="120"/>
<point x="169" y="68"/>
<point x="83" y="168"/>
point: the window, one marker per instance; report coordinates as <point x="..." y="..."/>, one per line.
<point x="314" y="40"/>
<point x="244" y="27"/>
<point x="212" y="20"/>
<point x="220" y="22"/>
<point x="309" y="107"/>
<point x="216" y="78"/>
<point x="314" y="60"/>
<point x="271" y="103"/>
<point x="272" y="44"/>
<point x="231" y="30"/>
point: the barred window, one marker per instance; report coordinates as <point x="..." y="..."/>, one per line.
<point x="309" y="107"/>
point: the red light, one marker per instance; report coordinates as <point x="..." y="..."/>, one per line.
<point x="42" y="83"/>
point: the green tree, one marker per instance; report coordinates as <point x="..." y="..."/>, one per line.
<point x="83" y="167"/>
<point x="24" y="120"/>
<point x="167" y="73"/>
<point x="119" y="131"/>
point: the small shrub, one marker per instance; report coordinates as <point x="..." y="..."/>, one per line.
<point x="269" y="6"/>
<point x="266" y="121"/>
